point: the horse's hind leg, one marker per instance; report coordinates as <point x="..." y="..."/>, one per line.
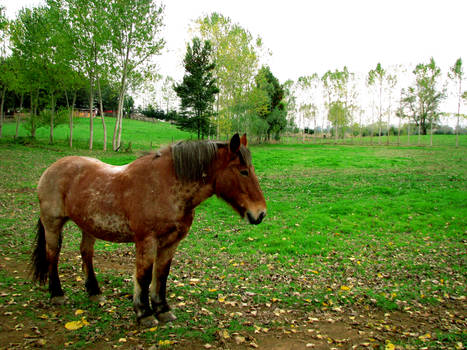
<point x="53" y="239"/>
<point x="87" y="253"/>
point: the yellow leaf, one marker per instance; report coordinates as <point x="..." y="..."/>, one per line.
<point x="122" y="340"/>
<point x="213" y="290"/>
<point x="153" y="329"/>
<point x="389" y="345"/>
<point x="165" y="342"/>
<point x="345" y="288"/>
<point x="315" y="272"/>
<point x="78" y="312"/>
<point x="74" y="325"/>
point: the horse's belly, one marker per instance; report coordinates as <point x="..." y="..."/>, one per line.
<point x="107" y="227"/>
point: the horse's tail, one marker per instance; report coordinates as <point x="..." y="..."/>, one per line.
<point x="39" y="263"/>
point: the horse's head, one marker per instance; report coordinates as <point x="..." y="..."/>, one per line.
<point x="236" y="181"/>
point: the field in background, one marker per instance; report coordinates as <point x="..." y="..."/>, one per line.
<point x="362" y="246"/>
<point x="147" y="135"/>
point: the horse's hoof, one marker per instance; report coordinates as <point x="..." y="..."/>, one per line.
<point x="97" y="298"/>
<point x="58" y="300"/>
<point x="166" y="317"/>
<point x="148" y="321"/>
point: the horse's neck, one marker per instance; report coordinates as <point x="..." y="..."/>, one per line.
<point x="196" y="193"/>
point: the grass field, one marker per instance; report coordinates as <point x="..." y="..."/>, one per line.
<point x="363" y="246"/>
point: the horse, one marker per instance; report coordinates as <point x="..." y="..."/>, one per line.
<point x="150" y="202"/>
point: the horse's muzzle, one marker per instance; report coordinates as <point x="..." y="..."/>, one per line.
<point x="256" y="221"/>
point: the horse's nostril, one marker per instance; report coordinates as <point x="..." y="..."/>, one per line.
<point x="257" y="220"/>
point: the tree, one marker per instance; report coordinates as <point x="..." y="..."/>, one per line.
<point x="337" y="114"/>
<point x="168" y="93"/>
<point x="377" y="76"/>
<point x="335" y="84"/>
<point x="91" y="42"/>
<point x="5" y="70"/>
<point x="456" y="74"/>
<point x="274" y="112"/>
<point x="198" y="88"/>
<point x="428" y="97"/>
<point x="135" y="31"/>
<point x="236" y="54"/>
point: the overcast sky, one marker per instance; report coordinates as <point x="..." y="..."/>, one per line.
<point x="314" y="36"/>
<point x="308" y="36"/>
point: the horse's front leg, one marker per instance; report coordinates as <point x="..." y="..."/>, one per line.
<point x="160" y="273"/>
<point x="145" y="256"/>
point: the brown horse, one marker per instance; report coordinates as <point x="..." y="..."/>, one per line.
<point x="150" y="202"/>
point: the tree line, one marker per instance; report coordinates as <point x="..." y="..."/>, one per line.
<point x="333" y="100"/>
<point x="68" y="49"/>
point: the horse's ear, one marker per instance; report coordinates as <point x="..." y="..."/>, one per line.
<point x="243" y="140"/>
<point x="234" y="144"/>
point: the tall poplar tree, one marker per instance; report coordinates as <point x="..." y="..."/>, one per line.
<point x="456" y="73"/>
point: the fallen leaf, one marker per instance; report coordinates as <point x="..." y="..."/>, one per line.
<point x="239" y="339"/>
<point x="74" y="325"/>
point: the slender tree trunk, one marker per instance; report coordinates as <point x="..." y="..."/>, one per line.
<point x="408" y="133"/>
<point x="431" y="132"/>
<point x="120" y="119"/>
<point x="91" y="114"/>
<point x="389" y="119"/>
<point x="19" y="116"/>
<point x="419" y="129"/>
<point x="52" y="116"/>
<point x="380" y="117"/>
<point x="399" y="133"/>
<point x="104" y="127"/>
<point x="458" y="111"/>
<point x="2" y="103"/>
<point x="33" y="131"/>
<point x="71" y="118"/>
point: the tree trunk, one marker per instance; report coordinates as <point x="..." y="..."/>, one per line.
<point x="408" y="133"/>
<point x="18" y="118"/>
<point x="389" y="117"/>
<point x="104" y="127"/>
<point x="52" y="116"/>
<point x="431" y="132"/>
<point x="71" y="119"/>
<point x="120" y="119"/>
<point x="1" y="110"/>
<point x="380" y="117"/>
<point x="91" y="116"/>
<point x="458" y="112"/>
<point x="399" y="133"/>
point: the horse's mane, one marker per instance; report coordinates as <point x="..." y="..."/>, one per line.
<point x="192" y="159"/>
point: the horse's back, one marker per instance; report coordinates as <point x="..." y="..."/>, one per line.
<point x="66" y="177"/>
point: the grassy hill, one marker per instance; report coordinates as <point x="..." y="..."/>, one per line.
<point x="142" y="135"/>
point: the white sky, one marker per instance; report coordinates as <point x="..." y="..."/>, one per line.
<point x="307" y="36"/>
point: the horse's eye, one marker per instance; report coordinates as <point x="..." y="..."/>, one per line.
<point x="244" y="172"/>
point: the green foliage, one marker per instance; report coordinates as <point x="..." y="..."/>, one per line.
<point x="198" y="89"/>
<point x="268" y="102"/>
<point x="236" y="54"/>
<point x="421" y="102"/>
<point x="338" y="114"/>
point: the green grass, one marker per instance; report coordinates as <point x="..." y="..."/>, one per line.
<point x="143" y="136"/>
<point x="348" y="226"/>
